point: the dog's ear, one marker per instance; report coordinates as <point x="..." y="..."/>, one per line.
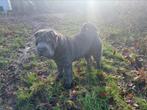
<point x="55" y="35"/>
<point x="39" y="33"/>
<point x="36" y="34"/>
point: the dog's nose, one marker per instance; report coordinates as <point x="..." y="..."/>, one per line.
<point x="41" y="49"/>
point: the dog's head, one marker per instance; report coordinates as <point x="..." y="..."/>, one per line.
<point x="46" y="42"/>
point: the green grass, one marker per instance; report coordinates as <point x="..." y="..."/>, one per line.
<point x="142" y="103"/>
<point x="112" y="59"/>
<point x="18" y="42"/>
<point x="110" y="52"/>
<point x="93" y="92"/>
<point x="12" y="38"/>
<point x="114" y="91"/>
<point x="25" y="95"/>
<point x="3" y="63"/>
<point x="91" y="101"/>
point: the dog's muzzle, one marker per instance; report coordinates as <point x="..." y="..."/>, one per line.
<point x="45" y="50"/>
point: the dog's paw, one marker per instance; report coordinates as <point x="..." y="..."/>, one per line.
<point x="67" y="85"/>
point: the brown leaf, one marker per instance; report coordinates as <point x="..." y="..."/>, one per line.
<point x="130" y="96"/>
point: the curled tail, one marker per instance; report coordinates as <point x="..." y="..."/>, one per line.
<point x="89" y="27"/>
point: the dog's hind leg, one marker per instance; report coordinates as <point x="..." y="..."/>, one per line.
<point x="97" y="53"/>
<point x="97" y="58"/>
<point x="89" y="62"/>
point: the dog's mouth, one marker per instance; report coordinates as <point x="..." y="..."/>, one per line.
<point x="47" y="54"/>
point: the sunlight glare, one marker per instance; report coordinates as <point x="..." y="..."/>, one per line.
<point x="91" y="9"/>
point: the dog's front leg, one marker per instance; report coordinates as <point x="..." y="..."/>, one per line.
<point x="60" y="72"/>
<point x="68" y="75"/>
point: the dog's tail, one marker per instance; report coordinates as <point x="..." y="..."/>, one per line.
<point x="89" y="27"/>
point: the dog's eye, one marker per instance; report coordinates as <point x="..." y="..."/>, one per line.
<point x="48" y="40"/>
<point x="36" y="43"/>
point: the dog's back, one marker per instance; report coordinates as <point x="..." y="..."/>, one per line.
<point x="82" y="43"/>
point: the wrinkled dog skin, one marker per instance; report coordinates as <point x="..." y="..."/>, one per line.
<point x="64" y="50"/>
